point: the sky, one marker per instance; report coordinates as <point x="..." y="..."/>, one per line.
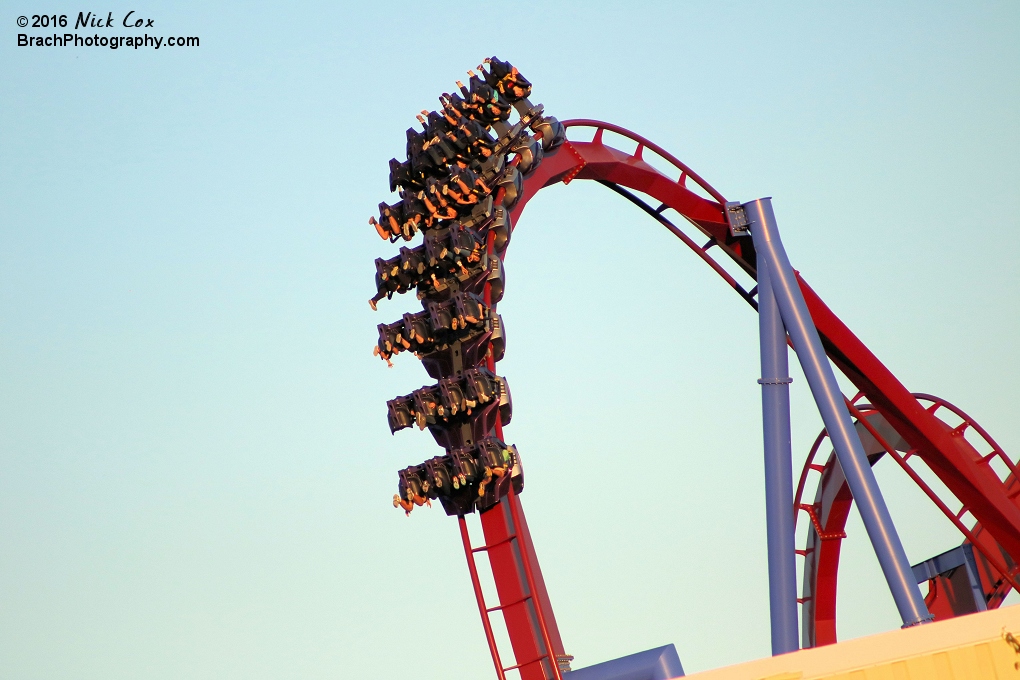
<point x="195" y="466"/>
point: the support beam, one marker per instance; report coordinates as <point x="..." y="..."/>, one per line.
<point x="829" y="399"/>
<point x="661" y="663"/>
<point x="775" y="411"/>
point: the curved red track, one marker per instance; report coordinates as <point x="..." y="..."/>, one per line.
<point x="966" y="473"/>
<point x="830" y="510"/>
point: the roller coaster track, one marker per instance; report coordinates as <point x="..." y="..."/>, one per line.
<point x="830" y="509"/>
<point x="992" y="501"/>
<point x="920" y="433"/>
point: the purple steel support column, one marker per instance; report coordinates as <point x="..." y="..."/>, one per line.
<point x="849" y="451"/>
<point x="775" y="417"/>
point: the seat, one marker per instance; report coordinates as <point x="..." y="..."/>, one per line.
<point x="441" y="315"/>
<point x="507" y="80"/>
<point x="412" y="488"/>
<point x="493" y="452"/>
<point x="402" y="176"/>
<point x="472" y="312"/>
<point x="391" y="341"/>
<point x="418" y="331"/>
<point x="413" y="262"/>
<point x="484" y="102"/>
<point x="464" y="465"/>
<point x="467" y="246"/>
<point x="428" y="406"/>
<point x="462" y="186"/>
<point x="496" y="461"/>
<point x="388" y="224"/>
<point x="412" y="215"/>
<point x="480" y="143"/>
<point x="415" y="146"/>
<point x="453" y="396"/>
<point x="481" y="385"/>
<point x="400" y="413"/>
<point x="437" y="472"/>
<point x="386" y="282"/>
<point x="436" y="202"/>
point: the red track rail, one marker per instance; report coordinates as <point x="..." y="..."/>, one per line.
<point x="523" y="599"/>
<point x="965" y="472"/>
<point x="831" y="507"/>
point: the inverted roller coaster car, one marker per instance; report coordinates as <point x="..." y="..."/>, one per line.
<point x="415" y="333"/>
<point x="476" y="425"/>
<point x="483" y="219"/>
<point x="430" y="267"/>
<point x="412" y="489"/>
<point x="419" y="268"/>
<point x="464" y="172"/>
<point x="464" y="479"/>
<point x="454" y="401"/>
<point x="462" y="323"/>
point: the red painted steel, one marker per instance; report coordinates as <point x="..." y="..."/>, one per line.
<point x="952" y="459"/>
<point x="480" y="598"/>
<point x="988" y="555"/>
<point x="523" y="598"/>
<point x="517" y="514"/>
<point x="520" y="589"/>
<point x="991" y="501"/>
<point x="833" y="501"/>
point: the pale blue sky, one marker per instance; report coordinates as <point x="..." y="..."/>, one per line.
<point x="195" y="468"/>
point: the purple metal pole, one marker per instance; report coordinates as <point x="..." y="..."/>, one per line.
<point x="849" y="451"/>
<point x="661" y="663"/>
<point x="775" y="416"/>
